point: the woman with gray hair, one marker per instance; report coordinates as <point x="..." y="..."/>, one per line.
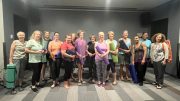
<point x="18" y="57"/>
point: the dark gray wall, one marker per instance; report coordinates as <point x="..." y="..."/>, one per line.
<point x="171" y="11"/>
<point x="92" y="22"/>
<point x="11" y="7"/>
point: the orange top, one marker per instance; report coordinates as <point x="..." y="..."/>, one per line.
<point x="54" y="47"/>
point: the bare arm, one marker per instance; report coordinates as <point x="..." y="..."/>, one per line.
<point x="12" y="52"/>
<point x="145" y="51"/>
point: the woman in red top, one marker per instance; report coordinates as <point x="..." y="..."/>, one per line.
<point x="68" y="53"/>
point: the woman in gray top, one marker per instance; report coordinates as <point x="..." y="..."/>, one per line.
<point x="18" y="57"/>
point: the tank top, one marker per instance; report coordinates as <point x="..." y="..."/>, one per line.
<point x="19" y="51"/>
<point x="139" y="53"/>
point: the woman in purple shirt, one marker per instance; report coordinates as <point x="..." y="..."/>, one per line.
<point x="81" y="47"/>
<point x="101" y="65"/>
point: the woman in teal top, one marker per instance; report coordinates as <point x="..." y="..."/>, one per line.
<point x="35" y="49"/>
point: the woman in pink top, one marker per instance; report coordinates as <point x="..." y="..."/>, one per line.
<point x="81" y="47"/>
<point x="101" y="65"/>
<point x="54" y="48"/>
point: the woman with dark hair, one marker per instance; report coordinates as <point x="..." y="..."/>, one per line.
<point x="91" y="58"/>
<point x="68" y="54"/>
<point x="138" y="58"/>
<point x="55" y="52"/>
<point x="81" y="47"/>
<point x="159" y="56"/>
<point x="147" y="42"/>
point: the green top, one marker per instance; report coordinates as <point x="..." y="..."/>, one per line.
<point x="35" y="46"/>
<point x="45" y="46"/>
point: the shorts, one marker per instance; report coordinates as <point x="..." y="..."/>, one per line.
<point x="123" y="59"/>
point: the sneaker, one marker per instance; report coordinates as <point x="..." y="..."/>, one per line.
<point x="154" y="83"/>
<point x="13" y="91"/>
<point x="34" y="89"/>
<point x="140" y="84"/>
<point x="114" y="83"/>
<point x="21" y="88"/>
<point x="83" y="82"/>
<point x="93" y="81"/>
<point x="79" y="83"/>
<point x="53" y="85"/>
<point x="158" y="86"/>
<point x="103" y="84"/>
<point x="99" y="84"/>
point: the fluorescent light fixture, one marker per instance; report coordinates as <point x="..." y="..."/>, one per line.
<point x="108" y="3"/>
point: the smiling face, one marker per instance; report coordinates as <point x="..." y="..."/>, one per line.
<point x="56" y="36"/>
<point x="145" y="36"/>
<point x="136" y="39"/>
<point x="101" y="36"/>
<point x="37" y="35"/>
<point x="125" y="34"/>
<point x="68" y="39"/>
<point x="158" y="38"/>
<point x="21" y="35"/>
<point x="93" y="38"/>
<point x="46" y="35"/>
<point x="111" y="35"/>
<point x="81" y="35"/>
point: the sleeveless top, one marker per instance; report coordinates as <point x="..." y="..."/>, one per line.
<point x="103" y="47"/>
<point x="115" y="43"/>
<point x="128" y="44"/>
<point x="139" y="53"/>
<point x="19" y="51"/>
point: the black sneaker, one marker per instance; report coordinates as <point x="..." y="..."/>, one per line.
<point x="140" y="84"/>
<point x="34" y="89"/>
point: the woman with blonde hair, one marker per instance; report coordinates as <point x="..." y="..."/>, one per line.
<point x="159" y="56"/>
<point x="35" y="49"/>
<point x="101" y="59"/>
<point x="18" y="57"/>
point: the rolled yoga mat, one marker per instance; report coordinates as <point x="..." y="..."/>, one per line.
<point x="113" y="48"/>
<point x="106" y="61"/>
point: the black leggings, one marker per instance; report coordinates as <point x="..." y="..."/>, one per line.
<point x="56" y="69"/>
<point x="140" y="71"/>
<point x="36" y="68"/>
<point x="68" y="65"/>
<point x="111" y="66"/>
<point x="92" y="67"/>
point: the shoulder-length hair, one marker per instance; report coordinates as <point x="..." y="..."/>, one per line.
<point x="157" y="34"/>
<point x="33" y="34"/>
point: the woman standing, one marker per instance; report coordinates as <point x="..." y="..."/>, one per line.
<point x="138" y="58"/>
<point x="35" y="49"/>
<point x="124" y="54"/>
<point x="91" y="58"/>
<point x="55" y="52"/>
<point x="159" y="56"/>
<point x="111" y="64"/>
<point x="18" y="57"/>
<point x="46" y="40"/>
<point x="147" y="42"/>
<point x="81" y="48"/>
<point x="67" y="50"/>
<point x="101" y="50"/>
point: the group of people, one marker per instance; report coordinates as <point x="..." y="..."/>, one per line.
<point x="101" y="56"/>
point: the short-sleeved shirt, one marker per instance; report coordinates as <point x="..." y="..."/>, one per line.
<point x="19" y="51"/>
<point x="91" y="47"/>
<point x="67" y="46"/>
<point x="45" y="46"/>
<point x="35" y="46"/>
<point x="115" y="44"/>
<point x="55" y="47"/>
<point x="81" y="46"/>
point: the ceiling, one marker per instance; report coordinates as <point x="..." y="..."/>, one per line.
<point x="97" y="4"/>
